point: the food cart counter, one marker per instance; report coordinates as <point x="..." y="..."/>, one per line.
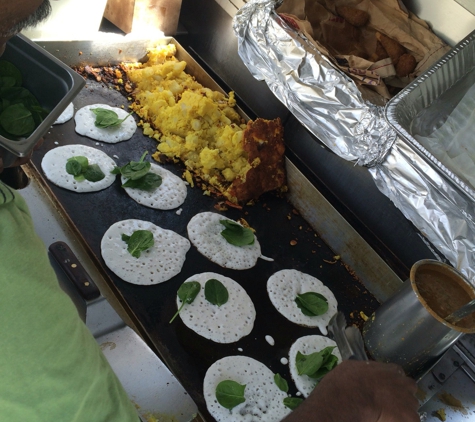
<point x="348" y="191"/>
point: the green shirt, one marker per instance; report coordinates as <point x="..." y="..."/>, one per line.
<point x="51" y="368"/>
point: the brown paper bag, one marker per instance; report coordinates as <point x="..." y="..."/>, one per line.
<point x="354" y="50"/>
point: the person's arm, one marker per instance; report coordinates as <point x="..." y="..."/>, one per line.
<point x="357" y="391"/>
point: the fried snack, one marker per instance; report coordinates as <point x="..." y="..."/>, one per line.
<point x="264" y="142"/>
<point x="344" y="39"/>
<point x="379" y="54"/>
<point x="405" y="65"/>
<point x="392" y="47"/>
<point x="352" y="15"/>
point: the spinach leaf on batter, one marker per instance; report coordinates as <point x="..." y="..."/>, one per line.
<point x="316" y="365"/>
<point x="215" y="292"/>
<point x="139" y="241"/>
<point x="292" y="402"/>
<point x="107" y="118"/>
<point x="312" y="303"/>
<point x="230" y="393"/>
<point x="187" y="293"/>
<point x="139" y="175"/>
<point x="80" y="168"/>
<point x="235" y="234"/>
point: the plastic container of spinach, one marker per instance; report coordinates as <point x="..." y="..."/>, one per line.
<point x="51" y="83"/>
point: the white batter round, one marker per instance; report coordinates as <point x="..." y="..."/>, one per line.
<point x="284" y="286"/>
<point x="157" y="264"/>
<point x="85" y="126"/>
<point x="54" y="167"/>
<point x="222" y="324"/>
<point x="308" y="345"/>
<point x="169" y="195"/>
<point x="66" y="115"/>
<point x="264" y="400"/>
<point x="204" y="231"/>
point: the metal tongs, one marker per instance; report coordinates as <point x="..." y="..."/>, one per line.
<point x="349" y="339"/>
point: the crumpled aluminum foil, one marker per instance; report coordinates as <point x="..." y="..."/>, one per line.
<point x="329" y="105"/>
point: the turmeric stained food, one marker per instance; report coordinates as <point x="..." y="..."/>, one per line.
<point x="202" y="129"/>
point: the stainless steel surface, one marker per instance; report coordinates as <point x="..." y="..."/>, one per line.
<point x="60" y="85"/>
<point x="452" y="20"/>
<point x="349" y="340"/>
<point x="424" y="92"/>
<point x="372" y="271"/>
<point x="448" y="387"/>
<point x="103" y="50"/>
<point x="404" y="330"/>
<point x="464" y="311"/>
<point x="150" y="385"/>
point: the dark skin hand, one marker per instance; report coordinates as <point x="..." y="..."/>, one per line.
<point x="360" y="391"/>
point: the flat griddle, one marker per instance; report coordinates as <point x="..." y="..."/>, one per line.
<point x="277" y="225"/>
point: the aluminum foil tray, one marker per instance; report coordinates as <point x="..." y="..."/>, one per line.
<point x="435" y="96"/>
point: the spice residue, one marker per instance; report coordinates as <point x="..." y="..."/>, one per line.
<point x="451" y="401"/>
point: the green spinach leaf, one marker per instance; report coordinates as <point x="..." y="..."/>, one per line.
<point x="93" y="173"/>
<point x="83" y="161"/>
<point x="107" y="118"/>
<point x="292" y="402"/>
<point x="139" y="175"/>
<point x="80" y="168"/>
<point x="17" y="120"/>
<point x="139" y="241"/>
<point x="317" y="364"/>
<point x="20" y="111"/>
<point x="73" y="167"/>
<point x="7" y="81"/>
<point x="134" y="169"/>
<point x="230" y="393"/>
<point x="148" y="182"/>
<point x="187" y="293"/>
<point x="9" y="70"/>
<point x="312" y="303"/>
<point x="235" y="234"/>
<point x="215" y="292"/>
<point x="281" y="383"/>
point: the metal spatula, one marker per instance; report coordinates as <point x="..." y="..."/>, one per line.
<point x="461" y="313"/>
<point x="348" y="339"/>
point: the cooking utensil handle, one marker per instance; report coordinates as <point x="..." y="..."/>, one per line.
<point x="68" y="261"/>
<point x="461" y="313"/>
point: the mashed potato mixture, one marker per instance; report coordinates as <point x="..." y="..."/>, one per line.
<point x="192" y="123"/>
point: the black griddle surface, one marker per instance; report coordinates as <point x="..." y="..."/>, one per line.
<point x="187" y="354"/>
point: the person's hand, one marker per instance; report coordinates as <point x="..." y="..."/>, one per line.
<point x="361" y="391"/>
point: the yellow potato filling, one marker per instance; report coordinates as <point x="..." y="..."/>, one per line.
<point x="191" y="123"/>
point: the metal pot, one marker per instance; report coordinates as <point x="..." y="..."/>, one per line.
<point x="409" y="328"/>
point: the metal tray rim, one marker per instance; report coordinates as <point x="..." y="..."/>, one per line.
<point x="390" y="113"/>
<point x="23" y="147"/>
